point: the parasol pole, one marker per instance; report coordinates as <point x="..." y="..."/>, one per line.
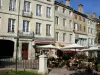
<point x="75" y="53"/>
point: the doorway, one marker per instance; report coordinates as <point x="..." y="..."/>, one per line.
<point x="24" y="51"/>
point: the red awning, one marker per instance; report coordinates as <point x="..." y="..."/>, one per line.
<point x="69" y="52"/>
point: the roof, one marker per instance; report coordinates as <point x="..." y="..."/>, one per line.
<point x="97" y="20"/>
<point x="77" y="12"/>
<point x="70" y="8"/>
<point x="63" y="5"/>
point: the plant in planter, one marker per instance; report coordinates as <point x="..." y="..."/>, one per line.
<point x="98" y="67"/>
<point x="97" y="64"/>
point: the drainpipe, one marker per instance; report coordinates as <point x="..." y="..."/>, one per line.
<point x="17" y="39"/>
<point x="54" y="22"/>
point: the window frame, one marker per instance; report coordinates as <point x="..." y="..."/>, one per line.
<point x="38" y="28"/>
<point x="11" y="25"/>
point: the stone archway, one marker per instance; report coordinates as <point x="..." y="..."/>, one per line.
<point x="6" y="48"/>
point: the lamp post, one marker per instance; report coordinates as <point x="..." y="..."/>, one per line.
<point x="17" y="39"/>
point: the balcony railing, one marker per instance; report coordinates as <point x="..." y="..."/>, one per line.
<point x="27" y="14"/>
<point x="76" y="36"/>
<point x="26" y="34"/>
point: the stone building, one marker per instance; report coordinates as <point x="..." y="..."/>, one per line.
<point x="91" y="29"/>
<point x="33" y="20"/>
<point x="63" y="23"/>
<point x="80" y="26"/>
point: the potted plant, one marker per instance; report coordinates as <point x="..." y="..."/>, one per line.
<point x="98" y="67"/>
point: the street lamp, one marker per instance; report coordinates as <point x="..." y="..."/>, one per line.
<point x="17" y="39"/>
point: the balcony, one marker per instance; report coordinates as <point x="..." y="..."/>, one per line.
<point x="27" y="14"/>
<point x="76" y="36"/>
<point x="26" y="34"/>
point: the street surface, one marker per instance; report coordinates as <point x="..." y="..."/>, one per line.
<point x="64" y="71"/>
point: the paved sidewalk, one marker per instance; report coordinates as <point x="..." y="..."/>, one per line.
<point x="64" y="71"/>
<point x="60" y="71"/>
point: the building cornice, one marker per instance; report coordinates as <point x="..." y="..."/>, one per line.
<point x="77" y="12"/>
<point x="63" y="5"/>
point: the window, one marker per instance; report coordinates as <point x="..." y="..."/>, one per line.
<point x="38" y="28"/>
<point x="70" y="38"/>
<point x="25" y="26"/>
<point x="38" y="10"/>
<point x="88" y="29"/>
<point x="0" y="22"/>
<point x="0" y="3"/>
<point x="84" y="28"/>
<point x="56" y="19"/>
<point x="70" y="12"/>
<point x="75" y="16"/>
<point x="57" y="34"/>
<point x="26" y="6"/>
<point x="12" y="5"/>
<point x="91" y="30"/>
<point x="70" y="23"/>
<point x="48" y="12"/>
<point x="48" y="30"/>
<point x="56" y="8"/>
<point x="80" y="27"/>
<point x="11" y="24"/>
<point x="90" y="22"/>
<point x="49" y="0"/>
<point x="91" y="41"/>
<point x="83" y="19"/>
<point x="76" y="26"/>
<point x="63" y="10"/>
<point x="64" y="36"/>
<point x="80" y="18"/>
<point x="64" y="21"/>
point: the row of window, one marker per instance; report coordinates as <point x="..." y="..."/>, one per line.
<point x="90" y="22"/>
<point x="11" y="27"/>
<point x="64" y="10"/>
<point x="27" y="8"/>
<point x="90" y="30"/>
<point x="63" y="36"/>
<point x="82" y="41"/>
<point x="78" y="27"/>
<point x="64" y="21"/>
<point x="80" y="17"/>
<point x="90" y="41"/>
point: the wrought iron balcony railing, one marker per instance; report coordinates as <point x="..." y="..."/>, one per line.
<point x="26" y="34"/>
<point x="27" y="14"/>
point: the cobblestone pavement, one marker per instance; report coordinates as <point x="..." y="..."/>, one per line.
<point x="64" y="71"/>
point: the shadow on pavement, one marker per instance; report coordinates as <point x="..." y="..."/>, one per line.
<point x="84" y="73"/>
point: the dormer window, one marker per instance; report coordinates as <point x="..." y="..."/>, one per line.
<point x="75" y="16"/>
<point x="49" y="0"/>
<point x="56" y="8"/>
<point x="63" y="10"/>
<point x="70" y="12"/>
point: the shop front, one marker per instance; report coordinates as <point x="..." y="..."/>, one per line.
<point x="39" y="41"/>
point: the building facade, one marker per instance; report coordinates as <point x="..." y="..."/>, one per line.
<point x="63" y="23"/>
<point x="80" y="26"/>
<point x="91" y="29"/>
<point x="30" y="20"/>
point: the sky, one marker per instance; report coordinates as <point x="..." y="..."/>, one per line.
<point x="88" y="5"/>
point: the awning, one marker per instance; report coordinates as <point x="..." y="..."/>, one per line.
<point x="43" y="42"/>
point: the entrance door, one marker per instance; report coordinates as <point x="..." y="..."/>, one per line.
<point x="24" y="51"/>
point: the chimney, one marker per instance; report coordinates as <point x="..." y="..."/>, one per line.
<point x="67" y="2"/>
<point x="94" y="15"/>
<point x="80" y="8"/>
<point x="88" y="14"/>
